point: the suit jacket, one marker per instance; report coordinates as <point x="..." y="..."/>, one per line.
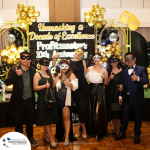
<point x="18" y="87"/>
<point x="136" y="86"/>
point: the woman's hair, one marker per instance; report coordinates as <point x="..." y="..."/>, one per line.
<point x="98" y="54"/>
<point x="82" y="48"/>
<point x="41" y="62"/>
<point x="69" y="71"/>
<point x="109" y="62"/>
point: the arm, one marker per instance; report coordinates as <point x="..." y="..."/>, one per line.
<point x="143" y="79"/>
<point x="54" y="57"/>
<point x="106" y="81"/>
<point x="36" y="80"/>
<point x="12" y="77"/>
<point x="55" y="80"/>
<point x="84" y="64"/>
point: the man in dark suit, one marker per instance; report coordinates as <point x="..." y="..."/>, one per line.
<point x="23" y="98"/>
<point x="132" y="96"/>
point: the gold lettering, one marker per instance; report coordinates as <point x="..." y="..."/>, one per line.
<point x="63" y="35"/>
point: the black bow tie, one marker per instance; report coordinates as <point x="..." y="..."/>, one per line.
<point x="131" y="67"/>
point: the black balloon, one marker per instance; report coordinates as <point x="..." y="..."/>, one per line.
<point x="103" y="42"/>
<point x="115" y="31"/>
<point x="117" y="38"/>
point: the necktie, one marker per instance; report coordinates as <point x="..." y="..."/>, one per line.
<point x="131" y="67"/>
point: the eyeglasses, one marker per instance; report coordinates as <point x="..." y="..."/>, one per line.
<point x="23" y="57"/>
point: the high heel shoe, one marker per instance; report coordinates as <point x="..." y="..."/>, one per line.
<point x="77" y="135"/>
<point x="53" y="145"/>
<point x="84" y="136"/>
<point x="66" y="143"/>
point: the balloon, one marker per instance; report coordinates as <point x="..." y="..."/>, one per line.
<point x="30" y="13"/>
<point x="25" y="8"/>
<point x="117" y="53"/>
<point x="98" y="11"/>
<point x="104" y="59"/>
<point x="11" y="38"/>
<point x="120" y="57"/>
<point x="36" y="13"/>
<point x="17" y="12"/>
<point x="103" y="11"/>
<point x="23" y="15"/>
<point x="19" y="20"/>
<point x="113" y="49"/>
<point x="33" y="19"/>
<point x="18" y="35"/>
<point x="113" y="37"/>
<point x="95" y="6"/>
<point x="93" y="13"/>
<point x="20" y="5"/>
<point x="117" y="38"/>
<point x="98" y="25"/>
<point x="115" y="31"/>
<point x="102" y="49"/>
<point x="7" y="47"/>
<point x="118" y="48"/>
<point x="100" y="18"/>
<point x="108" y="46"/>
<point x="104" y="22"/>
<point x="31" y="7"/>
<point x="109" y="53"/>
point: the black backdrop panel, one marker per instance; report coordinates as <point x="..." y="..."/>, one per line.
<point x="139" y="48"/>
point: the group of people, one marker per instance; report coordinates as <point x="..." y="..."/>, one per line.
<point x="109" y="96"/>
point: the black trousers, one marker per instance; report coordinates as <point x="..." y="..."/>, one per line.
<point x="24" y="112"/>
<point x="137" y="110"/>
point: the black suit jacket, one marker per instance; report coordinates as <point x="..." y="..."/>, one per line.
<point x="136" y="86"/>
<point x="18" y="87"/>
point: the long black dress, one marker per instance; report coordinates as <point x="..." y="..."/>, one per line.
<point x="81" y="95"/>
<point x="60" y="99"/>
<point x="110" y="94"/>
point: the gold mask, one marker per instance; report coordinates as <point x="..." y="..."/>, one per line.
<point x="80" y="52"/>
<point x="130" y="19"/>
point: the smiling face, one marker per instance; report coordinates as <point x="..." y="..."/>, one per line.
<point x="96" y="59"/>
<point x="45" y="65"/>
<point x="114" y="62"/>
<point x="130" y="60"/>
<point x="78" y="53"/>
<point x="25" y="59"/>
<point x="64" y="68"/>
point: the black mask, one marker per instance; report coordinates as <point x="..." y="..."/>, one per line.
<point x="113" y="60"/>
<point x="45" y="63"/>
<point x="23" y="57"/>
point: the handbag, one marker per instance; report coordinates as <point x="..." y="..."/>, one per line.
<point x="49" y="104"/>
<point x="116" y="106"/>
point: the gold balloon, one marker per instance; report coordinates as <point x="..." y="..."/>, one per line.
<point x="11" y="61"/>
<point x="114" y="44"/>
<point x="117" y="53"/>
<point x="23" y="15"/>
<point x="92" y="18"/>
<point x="18" y="56"/>
<point x="4" y="59"/>
<point x="109" y="53"/>
<point x="113" y="49"/>
<point x="98" y="11"/>
<point x="8" y="61"/>
<point x="19" y="20"/>
<point x="30" y="22"/>
<point x="30" y="13"/>
<point x="25" y="8"/>
<point x="148" y="69"/>
<point x="36" y="13"/>
<point x="95" y="19"/>
<point x="103" y="54"/>
<point x="28" y="19"/>
<point x="104" y="59"/>
<point x="23" y="24"/>
<point x="103" y="11"/>
<point x="33" y="19"/>
<point x="102" y="49"/>
<point x="99" y="25"/>
<point x="15" y="59"/>
<point x="100" y="18"/>
<point x="93" y="13"/>
<point x="86" y="20"/>
<point x="20" y="5"/>
<point x="20" y="9"/>
<point x="118" y="47"/>
<point x="17" y="12"/>
<point x="108" y="46"/>
<point x="90" y="22"/>
<point x="95" y="5"/>
<point x="31" y="7"/>
<point x="120" y="57"/>
<point x="15" y="62"/>
<point x="7" y="47"/>
<point x="104" y="22"/>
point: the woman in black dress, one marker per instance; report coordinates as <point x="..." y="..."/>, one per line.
<point x="98" y="77"/>
<point x="81" y="95"/>
<point x="112" y="93"/>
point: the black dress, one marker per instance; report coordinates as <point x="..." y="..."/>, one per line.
<point x="111" y="90"/>
<point x="60" y="99"/>
<point x="81" y="95"/>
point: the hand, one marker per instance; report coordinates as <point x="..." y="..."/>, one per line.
<point x="111" y="76"/>
<point x="120" y="101"/>
<point x="59" y="75"/>
<point x="120" y="87"/>
<point x="47" y="85"/>
<point x="103" y="76"/>
<point x="56" y="55"/>
<point x="134" y="77"/>
<point x="66" y="82"/>
<point x="18" y="71"/>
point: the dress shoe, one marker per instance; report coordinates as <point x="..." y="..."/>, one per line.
<point x="32" y="141"/>
<point x="84" y="136"/>
<point x="120" y="136"/>
<point x="66" y="143"/>
<point x="53" y="145"/>
<point x="137" y="139"/>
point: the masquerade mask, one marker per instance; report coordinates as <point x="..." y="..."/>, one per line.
<point x="80" y="52"/>
<point x="130" y="19"/>
<point x="23" y="57"/>
<point x="113" y="60"/>
<point x="130" y="58"/>
<point x="64" y="66"/>
<point x="96" y="57"/>
<point x="45" y="63"/>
